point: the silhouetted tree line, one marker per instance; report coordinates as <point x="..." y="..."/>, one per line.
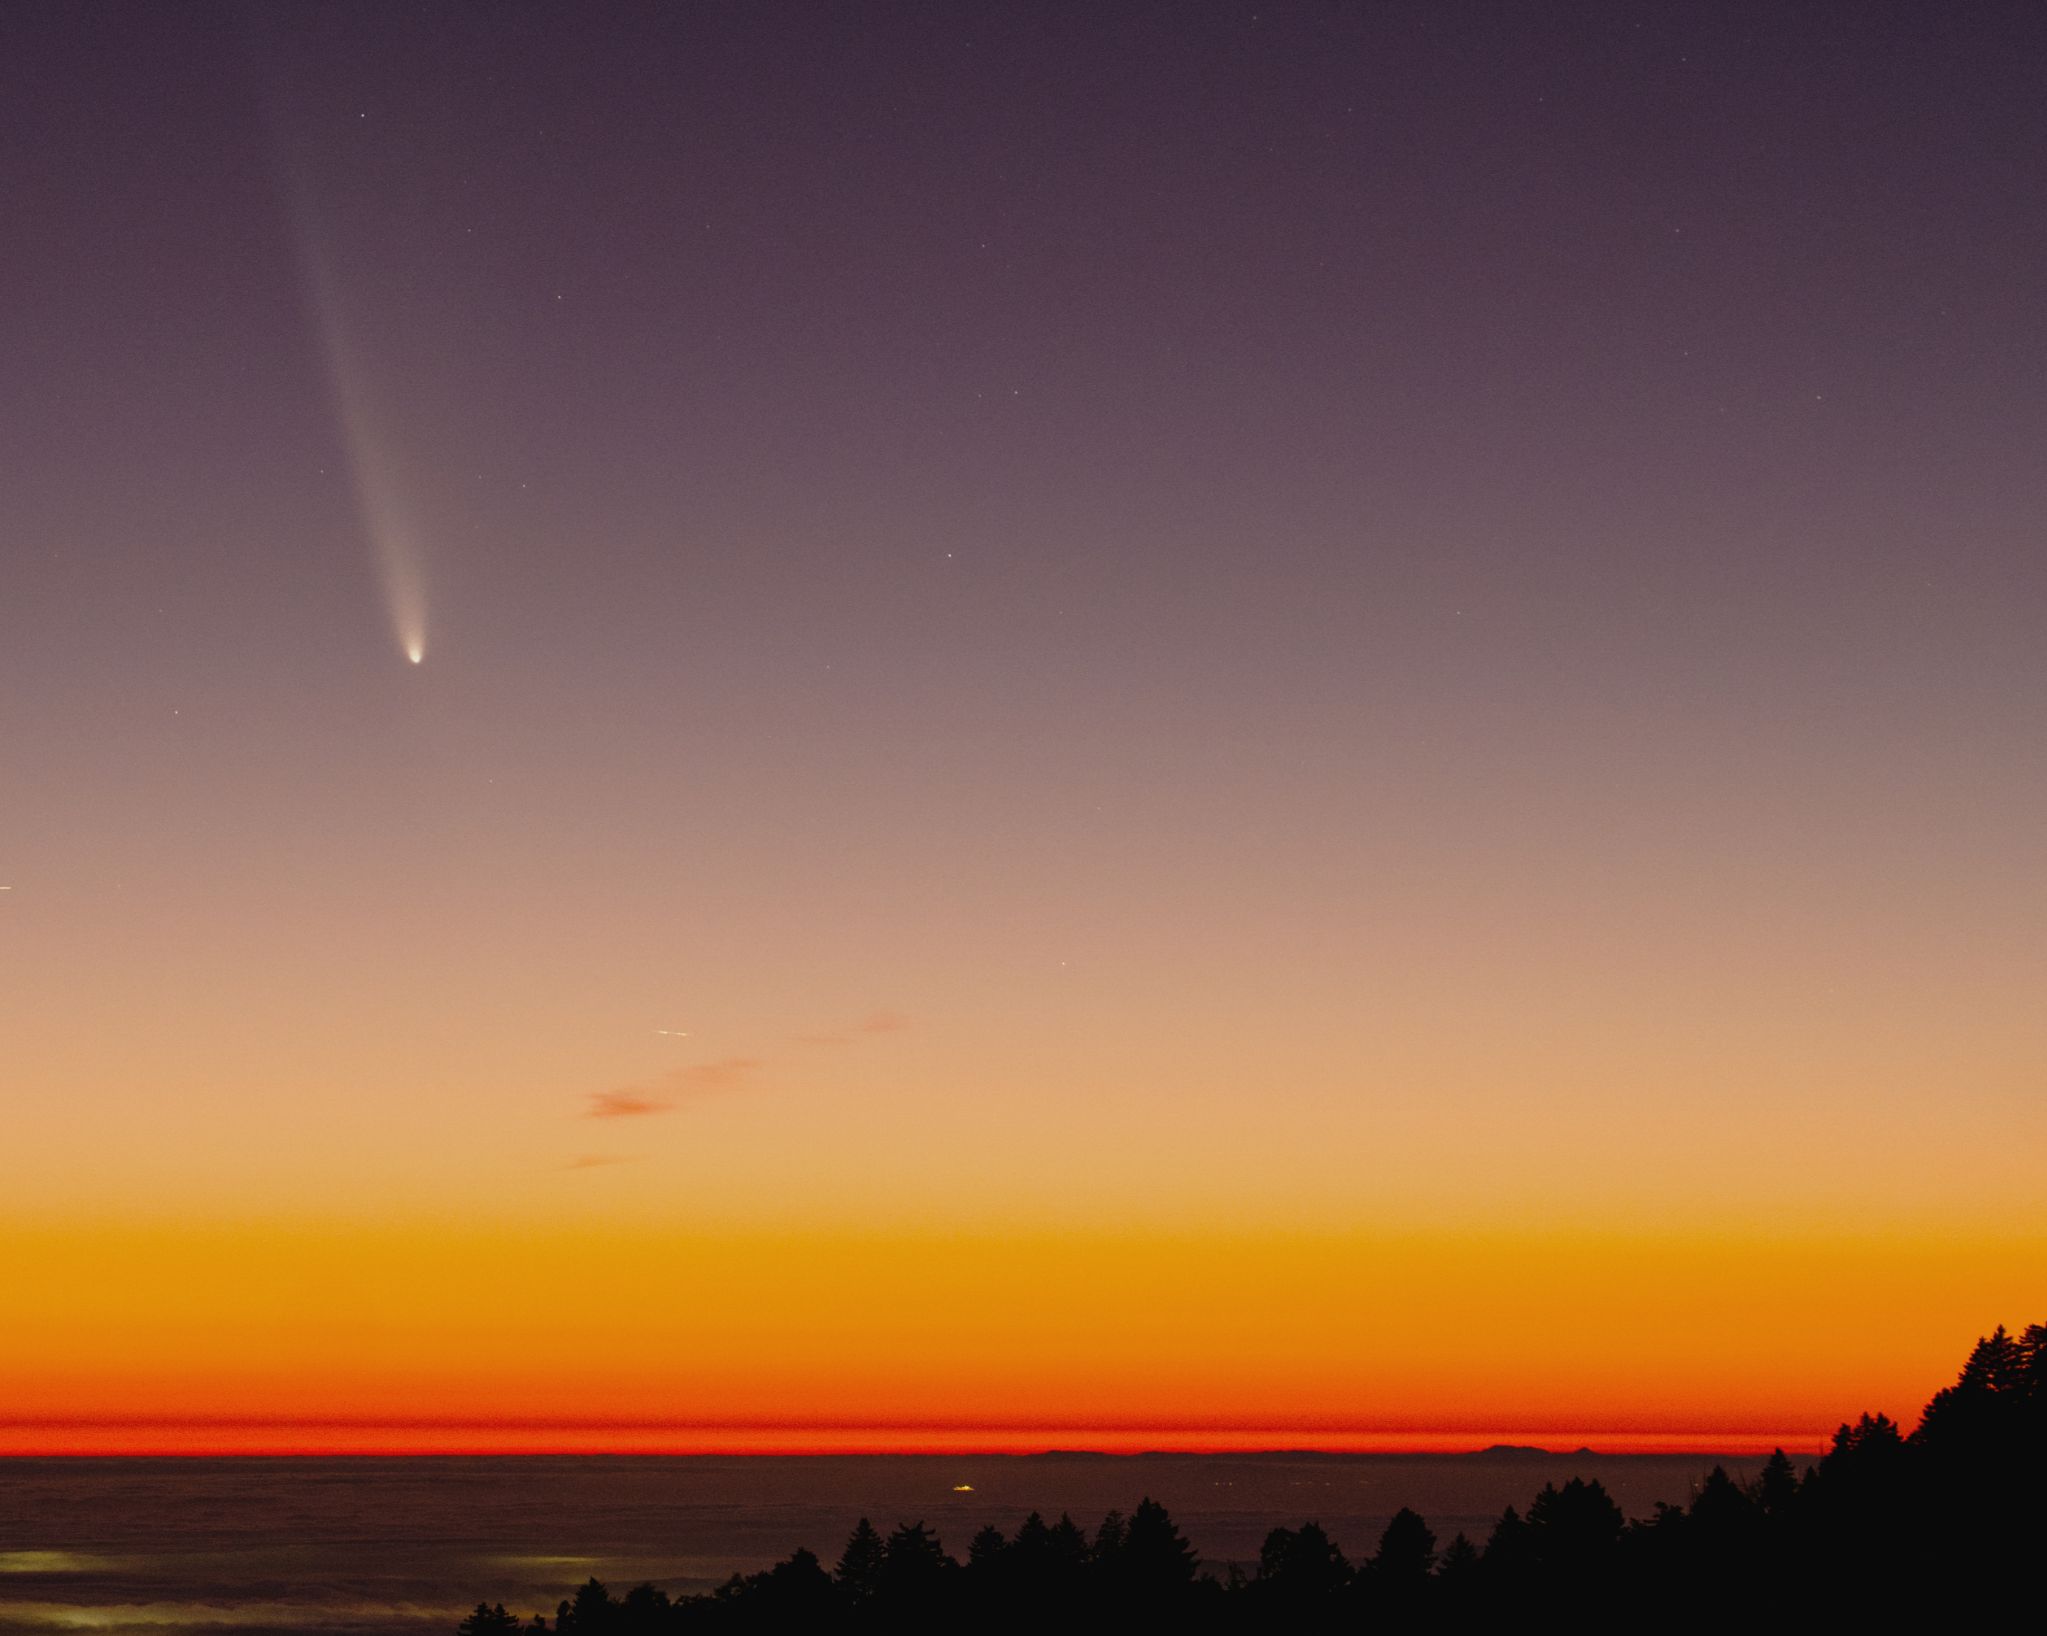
<point x="1886" y="1528"/>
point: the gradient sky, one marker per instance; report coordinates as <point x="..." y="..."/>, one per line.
<point x="1152" y="722"/>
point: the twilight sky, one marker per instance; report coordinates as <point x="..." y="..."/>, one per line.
<point x="1312" y="715"/>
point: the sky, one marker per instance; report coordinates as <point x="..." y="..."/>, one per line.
<point x="800" y="726"/>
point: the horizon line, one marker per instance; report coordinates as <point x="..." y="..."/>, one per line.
<point x="140" y="1437"/>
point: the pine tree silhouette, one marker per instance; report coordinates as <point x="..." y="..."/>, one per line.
<point x="859" y="1570"/>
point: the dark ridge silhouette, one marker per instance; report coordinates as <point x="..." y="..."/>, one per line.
<point x="1886" y="1530"/>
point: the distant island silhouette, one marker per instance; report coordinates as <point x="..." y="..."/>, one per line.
<point x="1886" y="1529"/>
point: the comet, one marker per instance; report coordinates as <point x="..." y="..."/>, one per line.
<point x="343" y="312"/>
<point x="382" y="502"/>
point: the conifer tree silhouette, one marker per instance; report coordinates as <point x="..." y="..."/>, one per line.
<point x="1157" y="1560"/>
<point x="859" y="1570"/>
<point x="1775" y="1490"/>
<point x="1302" y="1578"/>
<point x="1457" y="1574"/>
<point x="1407" y="1551"/>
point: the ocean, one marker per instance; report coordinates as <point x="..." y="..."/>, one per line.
<point x="326" y="1546"/>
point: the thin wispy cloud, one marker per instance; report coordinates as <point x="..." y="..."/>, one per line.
<point x="595" y="1161"/>
<point x="721" y="1075"/>
<point x="624" y="1105"/>
<point x="875" y="1022"/>
<point x="672" y="1090"/>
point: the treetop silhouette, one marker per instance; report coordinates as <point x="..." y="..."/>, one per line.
<point x="1886" y="1527"/>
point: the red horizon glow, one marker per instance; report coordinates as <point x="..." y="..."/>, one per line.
<point x="309" y="1439"/>
<point x="426" y="1337"/>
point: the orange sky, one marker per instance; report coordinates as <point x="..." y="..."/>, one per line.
<point x="277" y="1334"/>
<point x="395" y="1153"/>
<point x="1185" y="1157"/>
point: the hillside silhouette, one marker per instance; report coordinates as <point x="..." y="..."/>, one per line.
<point x="1885" y="1528"/>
